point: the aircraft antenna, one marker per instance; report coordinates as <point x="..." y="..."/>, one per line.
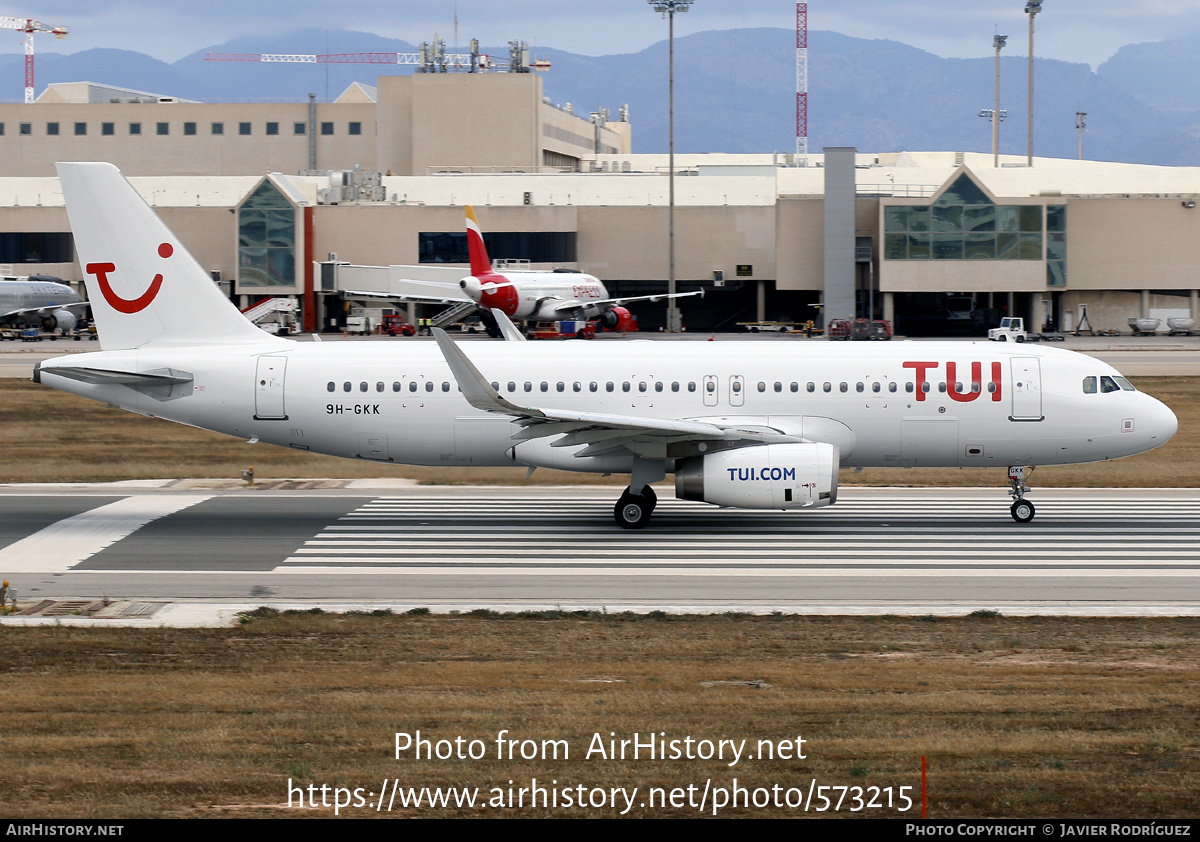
<point x="29" y="27"/>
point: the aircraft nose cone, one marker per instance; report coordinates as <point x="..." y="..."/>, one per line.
<point x="1165" y="423"/>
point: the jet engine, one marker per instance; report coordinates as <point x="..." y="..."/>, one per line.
<point x="767" y="476"/>
<point x="64" y="319"/>
<point x="617" y="318"/>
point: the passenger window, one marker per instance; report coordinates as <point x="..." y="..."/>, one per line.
<point x="412" y="385"/>
<point x="991" y="387"/>
<point x="545" y="386"/>
<point x="495" y="386"/>
<point x="642" y="386"/>
<point x="331" y="386"/>
<point x="942" y="387"/>
<point x="691" y="385"/>
<point x="379" y="386"/>
<point x="858" y="387"/>
<point x="512" y="387"/>
<point x="710" y="387"/>
<point x="892" y="386"/>
<point x="608" y="387"/>
<point x="737" y="387"/>
<point x="428" y="385"/>
<point x="827" y="386"/>
<point x="346" y="386"/>
<point x="762" y="387"/>
<point x="362" y="387"/>
<point x="908" y="387"/>
<point x="795" y="386"/>
<point x="593" y="386"/>
<point x="1107" y="384"/>
<point x="658" y="386"/>
<point x="445" y="386"/>
<point x="674" y="385"/>
<point x="560" y="386"/>
<point x="925" y="387"/>
<point x="528" y="386"/>
<point x="844" y="387"/>
<point x="778" y="386"/>
<point x="975" y="388"/>
<point x="812" y="387"/>
<point x="876" y="386"/>
<point x="625" y="387"/>
<point x="577" y="386"/>
<point x="396" y="386"/>
<point x="1089" y="385"/>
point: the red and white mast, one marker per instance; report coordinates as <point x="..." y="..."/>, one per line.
<point x="29" y="27"/>
<point x="802" y="84"/>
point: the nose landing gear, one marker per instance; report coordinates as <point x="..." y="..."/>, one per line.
<point x="1022" y="510"/>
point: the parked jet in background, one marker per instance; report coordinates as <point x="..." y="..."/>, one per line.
<point x="532" y="296"/>
<point x="740" y="424"/>
<point x="42" y="301"/>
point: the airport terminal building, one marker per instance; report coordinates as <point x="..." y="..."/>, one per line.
<point x="302" y="199"/>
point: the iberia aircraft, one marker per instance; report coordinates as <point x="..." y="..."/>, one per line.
<point x="757" y="425"/>
<point x="531" y="296"/>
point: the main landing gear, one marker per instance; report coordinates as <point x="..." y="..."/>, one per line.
<point x="1022" y="510"/>
<point x="633" y="510"/>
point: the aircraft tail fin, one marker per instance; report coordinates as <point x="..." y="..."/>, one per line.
<point x="143" y="286"/>
<point x="481" y="264"/>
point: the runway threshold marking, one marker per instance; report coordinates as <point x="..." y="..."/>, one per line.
<point x="64" y="544"/>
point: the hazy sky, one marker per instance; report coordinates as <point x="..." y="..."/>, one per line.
<point x="1073" y="30"/>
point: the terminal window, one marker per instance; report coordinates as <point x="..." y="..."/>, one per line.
<point x="189" y="128"/>
<point x="80" y="129"/>
<point x="33" y="247"/>
<point x="299" y="128"/>
<point x="108" y="128"/>
<point x="267" y="238"/>
<point x="26" y="128"/>
<point x="52" y="128"/>
<point x="218" y="128"/>
<point x="327" y="128"/>
<point x="272" y="128"/>
<point x="963" y="224"/>
<point x="243" y="128"/>
<point x="534" y="246"/>
<point x="135" y="128"/>
<point x="355" y="128"/>
<point x="162" y="128"/>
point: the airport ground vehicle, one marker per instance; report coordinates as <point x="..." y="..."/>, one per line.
<point x="1011" y="329"/>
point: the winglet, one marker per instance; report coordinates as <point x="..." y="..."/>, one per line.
<point x="507" y="329"/>
<point x="475" y="388"/>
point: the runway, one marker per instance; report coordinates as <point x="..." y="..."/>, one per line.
<point x="1121" y="551"/>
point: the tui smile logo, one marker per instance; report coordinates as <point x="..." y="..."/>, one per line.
<point x="128" y="305"/>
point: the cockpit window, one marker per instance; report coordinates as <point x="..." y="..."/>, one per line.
<point x="1107" y="384"/>
<point x="1089" y="385"/>
<point x="1124" y="384"/>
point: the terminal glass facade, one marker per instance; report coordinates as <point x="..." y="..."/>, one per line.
<point x="266" y="239"/>
<point x="534" y="246"/>
<point x="964" y="224"/>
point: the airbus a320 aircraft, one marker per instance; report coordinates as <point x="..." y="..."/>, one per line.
<point x="40" y="301"/>
<point x="748" y="425"/>
<point x="531" y="296"/>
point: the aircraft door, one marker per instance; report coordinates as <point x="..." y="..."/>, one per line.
<point x="268" y="389"/>
<point x="737" y="393"/>
<point x="1026" y="389"/>
<point x="711" y="390"/>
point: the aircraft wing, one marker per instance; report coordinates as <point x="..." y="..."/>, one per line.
<point x="450" y="298"/>
<point x="27" y="312"/>
<point x="602" y="432"/>
<point x="616" y="302"/>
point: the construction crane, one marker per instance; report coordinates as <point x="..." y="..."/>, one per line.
<point x="29" y="27"/>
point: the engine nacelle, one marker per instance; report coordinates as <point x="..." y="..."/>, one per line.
<point x="769" y="476"/>
<point x="617" y="318"/>
<point x="64" y="319"/>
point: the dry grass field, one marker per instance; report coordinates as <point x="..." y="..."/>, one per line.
<point x="1017" y="717"/>
<point x="50" y="436"/>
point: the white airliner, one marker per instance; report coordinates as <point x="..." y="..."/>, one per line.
<point x="39" y="301"/>
<point x="758" y="425"/>
<point x="532" y="296"/>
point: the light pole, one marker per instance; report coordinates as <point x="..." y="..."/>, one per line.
<point x="668" y="8"/>
<point x="1031" y="8"/>
<point x="1081" y="124"/>
<point x="997" y="42"/>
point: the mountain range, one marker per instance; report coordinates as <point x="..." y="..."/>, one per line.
<point x="735" y="91"/>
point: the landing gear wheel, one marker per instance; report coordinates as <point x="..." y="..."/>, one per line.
<point x="1022" y="511"/>
<point x="633" y="510"/>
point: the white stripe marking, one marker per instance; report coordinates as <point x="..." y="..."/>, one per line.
<point x="63" y="544"/>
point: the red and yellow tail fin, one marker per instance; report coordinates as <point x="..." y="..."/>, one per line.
<point x="480" y="263"/>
